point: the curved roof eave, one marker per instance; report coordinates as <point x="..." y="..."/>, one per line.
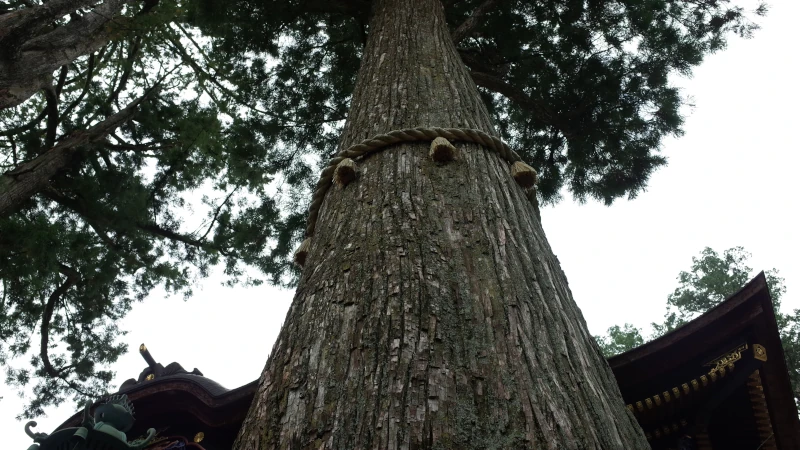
<point x="747" y="314"/>
<point x="169" y="387"/>
<point x="748" y="302"/>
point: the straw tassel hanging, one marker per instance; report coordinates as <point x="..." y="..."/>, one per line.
<point x="302" y="252"/>
<point x="442" y="150"/>
<point x="524" y="174"/>
<point x="345" y="172"/>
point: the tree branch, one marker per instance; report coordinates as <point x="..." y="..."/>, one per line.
<point x="123" y="146"/>
<point x="27" y="126"/>
<point x="204" y="75"/>
<point x="126" y="73"/>
<point x="47" y="315"/>
<point x="86" y="85"/>
<point x="15" y="24"/>
<point x="98" y="224"/>
<point x="62" y="77"/>
<point x="484" y="61"/>
<point x="14" y="158"/>
<point x="353" y="8"/>
<point x="538" y="108"/>
<point x="23" y="182"/>
<point x="39" y="56"/>
<point x="51" y="95"/>
<point x="216" y="213"/>
<point x="469" y="25"/>
<point x="157" y="230"/>
<point x="102" y="222"/>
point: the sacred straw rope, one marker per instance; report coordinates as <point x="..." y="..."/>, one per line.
<point x="382" y="141"/>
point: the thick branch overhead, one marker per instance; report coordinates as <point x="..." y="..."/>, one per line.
<point x="20" y="184"/>
<point x="471" y="23"/>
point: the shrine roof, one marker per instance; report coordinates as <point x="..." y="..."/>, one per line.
<point x="160" y="392"/>
<point x="737" y="331"/>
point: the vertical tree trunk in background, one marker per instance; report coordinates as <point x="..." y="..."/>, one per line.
<point x="431" y="312"/>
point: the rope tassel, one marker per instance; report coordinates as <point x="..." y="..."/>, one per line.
<point x="442" y="150"/>
<point x="524" y="174"/>
<point x="302" y="252"/>
<point x="345" y="172"/>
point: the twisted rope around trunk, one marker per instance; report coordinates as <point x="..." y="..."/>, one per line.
<point x="382" y="141"/>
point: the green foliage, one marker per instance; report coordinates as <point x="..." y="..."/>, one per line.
<point x="588" y="97"/>
<point x="217" y="165"/>
<point x="711" y="279"/>
<point x="620" y="340"/>
<point x="581" y="89"/>
<point x="168" y="195"/>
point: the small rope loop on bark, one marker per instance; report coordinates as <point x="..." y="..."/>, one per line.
<point x="345" y="172"/>
<point x="442" y="150"/>
<point x="381" y="141"/>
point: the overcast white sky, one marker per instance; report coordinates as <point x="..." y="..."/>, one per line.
<point x="733" y="179"/>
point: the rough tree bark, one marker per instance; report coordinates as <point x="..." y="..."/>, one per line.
<point x="431" y="312"/>
<point x="32" y="49"/>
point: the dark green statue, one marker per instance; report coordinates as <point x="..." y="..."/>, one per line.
<point x="106" y="430"/>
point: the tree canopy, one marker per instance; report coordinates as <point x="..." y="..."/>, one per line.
<point x="712" y="278"/>
<point x="190" y="133"/>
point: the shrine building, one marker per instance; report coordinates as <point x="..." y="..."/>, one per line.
<point x="718" y="382"/>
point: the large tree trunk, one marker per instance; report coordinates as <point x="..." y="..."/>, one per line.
<point x="431" y="312"/>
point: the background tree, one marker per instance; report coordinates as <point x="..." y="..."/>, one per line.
<point x="712" y="278"/>
<point x="100" y="172"/>
<point x="620" y="340"/>
<point x="579" y="89"/>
